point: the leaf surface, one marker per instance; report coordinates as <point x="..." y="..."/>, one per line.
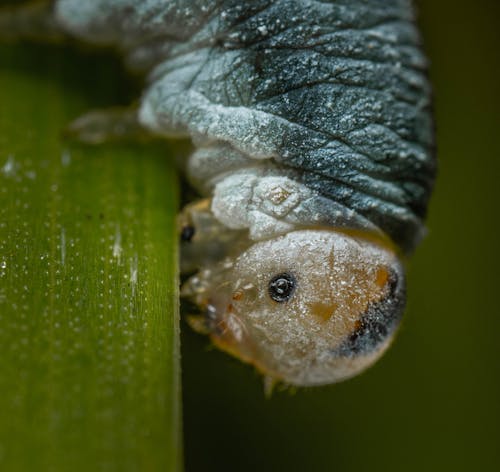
<point x="89" y="364"/>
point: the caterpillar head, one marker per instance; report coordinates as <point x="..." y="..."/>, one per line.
<point x="311" y="307"/>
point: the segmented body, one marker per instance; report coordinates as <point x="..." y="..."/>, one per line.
<point x="313" y="135"/>
<point x="304" y="113"/>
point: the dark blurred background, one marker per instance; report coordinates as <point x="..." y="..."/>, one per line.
<point x="432" y="403"/>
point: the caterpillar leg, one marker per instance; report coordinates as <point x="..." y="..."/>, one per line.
<point x="206" y="247"/>
<point x="205" y="240"/>
<point x="34" y="21"/>
<point x="108" y="125"/>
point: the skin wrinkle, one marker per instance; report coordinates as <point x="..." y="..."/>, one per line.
<point x="286" y="164"/>
<point x="276" y="42"/>
<point x="331" y="136"/>
<point x="333" y="80"/>
<point x="215" y="178"/>
<point x="189" y="85"/>
<point x="375" y="18"/>
<point x="330" y="39"/>
<point x="319" y="132"/>
<point x="363" y="171"/>
<point x="247" y="19"/>
<point x="336" y="136"/>
<point x="350" y="203"/>
<point x="368" y="166"/>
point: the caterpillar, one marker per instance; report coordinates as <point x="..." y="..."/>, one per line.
<point x="313" y="136"/>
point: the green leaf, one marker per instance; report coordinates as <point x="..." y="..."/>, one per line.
<point x="89" y="364"/>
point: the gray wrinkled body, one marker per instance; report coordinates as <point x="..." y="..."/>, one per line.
<point x="331" y="94"/>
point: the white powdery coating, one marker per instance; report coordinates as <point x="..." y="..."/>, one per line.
<point x="250" y="199"/>
<point x="171" y="112"/>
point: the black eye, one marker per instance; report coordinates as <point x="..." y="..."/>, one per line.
<point x="187" y="233"/>
<point x="281" y="287"/>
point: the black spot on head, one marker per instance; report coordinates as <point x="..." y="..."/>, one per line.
<point x="281" y="287"/>
<point x="378" y="322"/>
<point x="187" y="233"/>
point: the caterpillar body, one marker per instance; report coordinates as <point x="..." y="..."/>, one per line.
<point x="314" y="150"/>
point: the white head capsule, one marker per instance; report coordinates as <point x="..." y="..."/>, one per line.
<point x="311" y="307"/>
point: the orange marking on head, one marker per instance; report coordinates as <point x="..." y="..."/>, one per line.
<point x="381" y="277"/>
<point x="323" y="311"/>
<point x="358" y="324"/>
<point x="238" y="295"/>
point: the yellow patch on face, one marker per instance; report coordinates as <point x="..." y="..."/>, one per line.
<point x="370" y="288"/>
<point x="238" y="295"/>
<point x="323" y="311"/>
<point x="358" y="325"/>
<point x="382" y="277"/>
<point x="344" y="304"/>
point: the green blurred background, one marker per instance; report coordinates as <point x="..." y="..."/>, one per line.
<point x="432" y="403"/>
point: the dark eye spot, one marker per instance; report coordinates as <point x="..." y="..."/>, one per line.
<point x="187" y="233"/>
<point x="281" y="287"/>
